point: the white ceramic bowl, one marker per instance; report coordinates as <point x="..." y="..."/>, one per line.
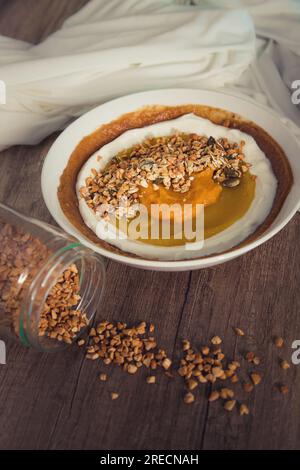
<point x="62" y="148"/>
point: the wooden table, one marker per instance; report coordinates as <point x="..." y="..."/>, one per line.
<point x="58" y="402"/>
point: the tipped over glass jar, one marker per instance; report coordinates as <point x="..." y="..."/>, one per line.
<point x="50" y="284"/>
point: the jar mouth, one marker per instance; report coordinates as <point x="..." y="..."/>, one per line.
<point x="91" y="286"/>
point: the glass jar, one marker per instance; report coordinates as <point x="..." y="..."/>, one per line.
<point x="50" y="284"/>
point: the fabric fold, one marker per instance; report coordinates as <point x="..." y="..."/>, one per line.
<point x="277" y="64"/>
<point x="115" y="47"/>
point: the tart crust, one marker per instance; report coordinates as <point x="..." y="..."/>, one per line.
<point x="153" y="114"/>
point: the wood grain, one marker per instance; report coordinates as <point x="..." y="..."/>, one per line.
<point x="34" y="20"/>
<point x="57" y="401"/>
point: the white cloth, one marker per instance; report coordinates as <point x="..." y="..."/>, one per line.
<point x="270" y="77"/>
<point x="114" y="47"/>
<point x="277" y="64"/>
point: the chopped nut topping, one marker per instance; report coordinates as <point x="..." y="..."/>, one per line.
<point x="166" y="363"/>
<point x="284" y="389"/>
<point x="284" y="365"/>
<point x="185" y="345"/>
<point x="23" y="253"/>
<point x="207" y="366"/>
<point x="125" y="346"/>
<point x="234" y="379"/>
<point x="20" y="252"/>
<point x="213" y="396"/>
<point x="59" y="319"/>
<point x="169" y="161"/>
<point x="229" y="405"/>
<point x="202" y="379"/>
<point x="278" y="341"/>
<point x="216" y="340"/>
<point x="244" y="410"/>
<point x="130" y="348"/>
<point x="226" y="393"/>
<point x="256" y="360"/>
<point x="191" y="384"/>
<point x="248" y="387"/>
<point x="189" y="398"/>
<point x="250" y="356"/>
<point x="256" y="378"/>
<point x="151" y="379"/>
<point x="183" y="371"/>
<point x="229" y="373"/>
<point x="132" y="369"/>
<point x="217" y="371"/>
<point x="205" y="350"/>
<point x="239" y="332"/>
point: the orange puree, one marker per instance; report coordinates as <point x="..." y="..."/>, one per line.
<point x="223" y="206"/>
<point x="203" y="191"/>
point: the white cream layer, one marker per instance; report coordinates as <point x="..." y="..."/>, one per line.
<point x="266" y="184"/>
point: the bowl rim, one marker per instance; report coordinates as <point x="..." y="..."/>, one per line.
<point x="154" y="264"/>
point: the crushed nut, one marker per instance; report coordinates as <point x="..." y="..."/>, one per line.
<point x="130" y="348"/>
<point x="166" y="363"/>
<point x="191" y="384"/>
<point x="66" y="322"/>
<point x="132" y="369"/>
<point x="213" y="396"/>
<point x="234" y="379"/>
<point x="244" y="410"/>
<point x="185" y="345"/>
<point x="153" y="162"/>
<point x="229" y="405"/>
<point x="23" y="253"/>
<point x="284" y="365"/>
<point x="206" y="366"/>
<point x="151" y="379"/>
<point x="278" y="341"/>
<point x="256" y="378"/>
<point x="217" y="371"/>
<point x="226" y="393"/>
<point x="248" y="387"/>
<point x="124" y="346"/>
<point x="284" y="389"/>
<point x="250" y="356"/>
<point x="256" y="360"/>
<point x="189" y="398"/>
<point x="216" y="340"/>
<point x="238" y="331"/>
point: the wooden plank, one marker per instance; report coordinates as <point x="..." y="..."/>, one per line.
<point x="33" y="20"/>
<point x="57" y="401"/>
